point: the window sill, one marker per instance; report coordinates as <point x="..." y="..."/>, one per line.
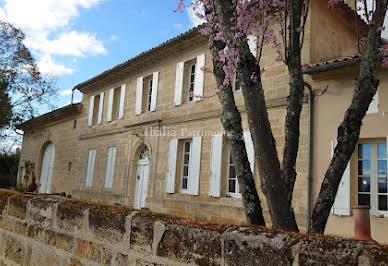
<point x="238" y="196"/>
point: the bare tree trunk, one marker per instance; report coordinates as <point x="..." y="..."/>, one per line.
<point x="231" y="121"/>
<point x="282" y="214"/>
<point x="349" y="130"/>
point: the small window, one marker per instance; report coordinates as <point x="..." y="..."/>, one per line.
<point x="116" y="103"/>
<point x="189" y="80"/>
<point x="372" y="182"/>
<point x="149" y="95"/>
<point x="75" y="124"/>
<point x="232" y="182"/>
<point x="191" y="83"/>
<point x="186" y="149"/>
<point x="95" y="108"/>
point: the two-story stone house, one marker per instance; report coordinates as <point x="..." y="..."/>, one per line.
<point x="144" y="137"/>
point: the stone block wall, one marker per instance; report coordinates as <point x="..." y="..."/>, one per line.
<point x="43" y="230"/>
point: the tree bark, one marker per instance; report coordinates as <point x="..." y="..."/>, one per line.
<point x="349" y="129"/>
<point x="231" y="121"/>
<point x="274" y="189"/>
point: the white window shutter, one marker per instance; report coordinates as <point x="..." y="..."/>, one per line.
<point x="374" y="105"/>
<point x="199" y="77"/>
<point x="172" y="156"/>
<point x="250" y="150"/>
<point x="179" y="83"/>
<point x="215" y="166"/>
<point x="122" y="101"/>
<point x="139" y="95"/>
<point x="100" y="108"/>
<point x="195" y="166"/>
<point x="341" y="204"/>
<point x="110" y="103"/>
<point x="110" y="167"/>
<point x="90" y="170"/>
<point x="91" y="107"/>
<point x="154" y="96"/>
<point x="252" y="43"/>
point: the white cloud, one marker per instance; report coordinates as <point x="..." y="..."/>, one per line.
<point x="71" y="43"/>
<point x="177" y="26"/>
<point x="48" y="67"/>
<point x="47" y="24"/>
<point x="66" y="92"/>
<point x="191" y="11"/>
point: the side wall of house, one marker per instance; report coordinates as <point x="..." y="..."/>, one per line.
<point x="64" y="137"/>
<point x="329" y="110"/>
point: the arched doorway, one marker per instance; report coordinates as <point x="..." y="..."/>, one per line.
<point x="46" y="173"/>
<point x="142" y="171"/>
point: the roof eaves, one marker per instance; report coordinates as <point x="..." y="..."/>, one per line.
<point x="183" y="36"/>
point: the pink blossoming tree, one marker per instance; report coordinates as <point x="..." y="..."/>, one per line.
<point x="230" y="25"/>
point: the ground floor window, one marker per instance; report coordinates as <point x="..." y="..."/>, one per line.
<point x="185" y="164"/>
<point x="232" y="182"/>
<point x="372" y="176"/>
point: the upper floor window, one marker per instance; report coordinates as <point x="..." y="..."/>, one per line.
<point x="116" y="103"/>
<point x="189" y="80"/>
<point x="236" y="83"/>
<point x="147" y="93"/>
<point x="372" y="176"/>
<point x="96" y="104"/>
<point x="191" y="83"/>
<point x="90" y="168"/>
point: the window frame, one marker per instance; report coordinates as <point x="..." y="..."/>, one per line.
<point x="191" y="84"/>
<point x="236" y="194"/>
<point x="149" y="94"/>
<point x="373" y="176"/>
<point x="181" y="189"/>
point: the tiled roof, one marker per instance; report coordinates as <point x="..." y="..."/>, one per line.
<point x="53" y="116"/>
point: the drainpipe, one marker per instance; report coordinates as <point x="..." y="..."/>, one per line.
<point x="310" y="154"/>
<point x="72" y="95"/>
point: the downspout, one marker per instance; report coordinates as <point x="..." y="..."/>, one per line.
<point x="72" y="95"/>
<point x="310" y="154"/>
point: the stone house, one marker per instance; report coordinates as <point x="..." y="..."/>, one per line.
<point x="143" y="138"/>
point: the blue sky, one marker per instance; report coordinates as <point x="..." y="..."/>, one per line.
<point x="74" y="40"/>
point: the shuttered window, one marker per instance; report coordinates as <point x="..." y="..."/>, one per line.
<point x="185" y="165"/>
<point x="110" y="167"/>
<point x="190" y="94"/>
<point x="90" y="168"/>
<point x="232" y="182"/>
<point x="149" y="95"/>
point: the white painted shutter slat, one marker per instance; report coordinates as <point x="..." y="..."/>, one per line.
<point x="250" y="150"/>
<point x="122" y="101"/>
<point x="341" y="204"/>
<point x="252" y="43"/>
<point x="199" y="78"/>
<point x="100" y="108"/>
<point x="155" y="86"/>
<point x="90" y="169"/>
<point x="172" y="156"/>
<point x="139" y="95"/>
<point x="50" y="168"/>
<point x="108" y="166"/>
<point x="195" y="166"/>
<point x="215" y="166"/>
<point x="91" y="107"/>
<point x="110" y="103"/>
<point x="374" y="105"/>
<point x="179" y="83"/>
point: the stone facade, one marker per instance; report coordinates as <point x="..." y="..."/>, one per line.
<point x="74" y="137"/>
<point x="38" y="230"/>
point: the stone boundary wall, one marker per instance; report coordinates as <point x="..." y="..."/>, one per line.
<point x="48" y="230"/>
